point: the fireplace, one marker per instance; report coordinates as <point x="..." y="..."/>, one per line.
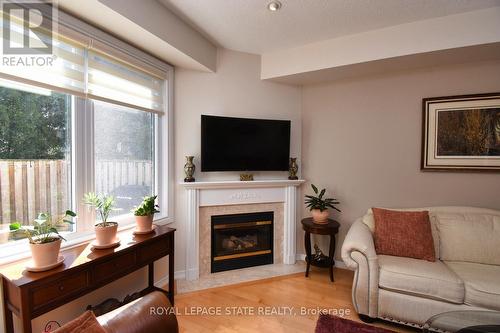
<point x="241" y="240"/>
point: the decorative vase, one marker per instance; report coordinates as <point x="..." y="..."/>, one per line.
<point x="45" y="254"/>
<point x="320" y="217"/>
<point x="293" y="168"/>
<point x="144" y="223"/>
<point x="189" y="169"/>
<point x="105" y="235"/>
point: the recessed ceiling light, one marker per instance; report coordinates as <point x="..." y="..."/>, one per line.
<point x="274" y="6"/>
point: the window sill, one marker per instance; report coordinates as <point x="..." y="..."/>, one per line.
<point x="21" y="251"/>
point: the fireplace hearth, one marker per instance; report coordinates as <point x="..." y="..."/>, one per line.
<point x="241" y="240"/>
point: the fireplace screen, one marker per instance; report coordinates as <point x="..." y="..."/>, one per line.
<point x="242" y="240"/>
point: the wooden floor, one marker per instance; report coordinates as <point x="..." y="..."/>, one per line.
<point x="275" y="294"/>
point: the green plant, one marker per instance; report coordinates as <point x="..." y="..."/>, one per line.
<point x="147" y="207"/>
<point x="103" y="205"/>
<point x="317" y="201"/>
<point x="44" y="229"/>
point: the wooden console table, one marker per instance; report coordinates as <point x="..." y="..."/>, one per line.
<point x="28" y="295"/>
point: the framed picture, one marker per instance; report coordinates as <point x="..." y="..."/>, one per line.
<point x="461" y="133"/>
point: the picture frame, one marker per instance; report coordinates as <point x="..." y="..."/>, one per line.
<point x="461" y="133"/>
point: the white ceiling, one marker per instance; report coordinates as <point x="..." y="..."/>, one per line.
<point x="247" y="25"/>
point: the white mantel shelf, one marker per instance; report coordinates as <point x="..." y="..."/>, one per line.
<point x="242" y="184"/>
<point x="216" y="193"/>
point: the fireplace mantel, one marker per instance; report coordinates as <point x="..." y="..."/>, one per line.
<point x="243" y="184"/>
<point x="220" y="193"/>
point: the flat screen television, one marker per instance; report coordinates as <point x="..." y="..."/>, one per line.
<point x="241" y="144"/>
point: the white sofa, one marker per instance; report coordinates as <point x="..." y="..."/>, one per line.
<point x="465" y="275"/>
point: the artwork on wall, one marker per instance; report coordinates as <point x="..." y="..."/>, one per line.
<point x="461" y="133"/>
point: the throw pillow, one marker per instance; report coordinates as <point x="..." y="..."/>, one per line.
<point x="403" y="234"/>
<point x="86" y="323"/>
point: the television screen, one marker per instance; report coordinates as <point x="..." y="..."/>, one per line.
<point x="240" y="144"/>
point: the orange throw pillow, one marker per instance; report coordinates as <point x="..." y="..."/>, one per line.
<point x="86" y="323"/>
<point x="403" y="234"/>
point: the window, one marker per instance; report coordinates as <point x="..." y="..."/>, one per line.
<point x="124" y="154"/>
<point x="95" y="120"/>
<point x="35" y="154"/>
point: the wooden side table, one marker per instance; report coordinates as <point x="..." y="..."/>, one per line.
<point x="331" y="228"/>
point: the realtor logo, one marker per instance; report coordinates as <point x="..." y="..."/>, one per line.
<point x="27" y="27"/>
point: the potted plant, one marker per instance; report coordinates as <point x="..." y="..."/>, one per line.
<point x="105" y="231"/>
<point x="144" y="214"/>
<point x="44" y="238"/>
<point x="319" y="206"/>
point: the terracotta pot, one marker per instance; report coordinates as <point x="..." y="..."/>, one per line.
<point x="45" y="254"/>
<point x="320" y="217"/>
<point x="144" y="223"/>
<point x="4" y="233"/>
<point x="106" y="235"/>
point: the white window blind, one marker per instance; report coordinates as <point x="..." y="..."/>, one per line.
<point x="81" y="68"/>
<point x="63" y="70"/>
<point x="112" y="80"/>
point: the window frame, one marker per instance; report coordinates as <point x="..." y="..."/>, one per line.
<point x="83" y="172"/>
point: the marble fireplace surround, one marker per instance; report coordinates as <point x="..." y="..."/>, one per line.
<point x="205" y="219"/>
<point x="205" y="199"/>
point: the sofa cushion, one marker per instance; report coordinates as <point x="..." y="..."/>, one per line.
<point x="422" y="278"/>
<point x="403" y="234"/>
<point x="369" y="221"/>
<point x="482" y="283"/>
<point x="469" y="237"/>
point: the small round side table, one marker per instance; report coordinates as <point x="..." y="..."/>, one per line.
<point x="330" y="229"/>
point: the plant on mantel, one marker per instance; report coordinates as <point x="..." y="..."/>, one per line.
<point x="103" y="204"/>
<point x="319" y="205"/>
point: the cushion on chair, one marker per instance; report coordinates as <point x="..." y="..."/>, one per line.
<point x="369" y="220"/>
<point x="422" y="278"/>
<point x="86" y="323"/>
<point x="469" y="237"/>
<point x="482" y="283"/>
<point x="403" y="234"/>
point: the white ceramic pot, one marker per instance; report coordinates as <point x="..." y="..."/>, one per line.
<point x="320" y="217"/>
<point x="45" y="254"/>
<point x="106" y="235"/>
<point x="144" y="223"/>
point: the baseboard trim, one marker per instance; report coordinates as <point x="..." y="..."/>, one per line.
<point x="178" y="275"/>
<point x="181" y="275"/>
<point x="338" y="263"/>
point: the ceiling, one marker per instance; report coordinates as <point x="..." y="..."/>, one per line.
<point x="248" y="26"/>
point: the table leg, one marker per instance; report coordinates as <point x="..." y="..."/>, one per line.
<point x="171" y="275"/>
<point x="307" y="241"/>
<point x="151" y="276"/>
<point x="9" y="324"/>
<point x="331" y="256"/>
<point x="25" y="313"/>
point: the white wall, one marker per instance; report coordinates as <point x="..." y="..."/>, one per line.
<point x="235" y="90"/>
<point x="361" y="140"/>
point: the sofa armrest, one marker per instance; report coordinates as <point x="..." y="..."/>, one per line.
<point x="358" y="253"/>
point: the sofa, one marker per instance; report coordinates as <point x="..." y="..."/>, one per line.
<point x="465" y="275"/>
